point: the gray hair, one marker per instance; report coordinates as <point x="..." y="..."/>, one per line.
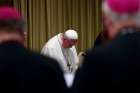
<point x="119" y="17"/>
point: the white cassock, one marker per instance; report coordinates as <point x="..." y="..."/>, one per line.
<point x="67" y="58"/>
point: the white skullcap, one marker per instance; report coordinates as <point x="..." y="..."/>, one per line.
<point x="71" y="34"/>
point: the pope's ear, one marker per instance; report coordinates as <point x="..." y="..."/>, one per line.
<point x="63" y="36"/>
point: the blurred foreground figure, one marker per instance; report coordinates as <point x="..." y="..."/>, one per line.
<point x="23" y="71"/>
<point x="115" y="66"/>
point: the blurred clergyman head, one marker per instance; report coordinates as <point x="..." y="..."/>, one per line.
<point x="11" y="25"/>
<point x="120" y="13"/>
<point x="69" y="38"/>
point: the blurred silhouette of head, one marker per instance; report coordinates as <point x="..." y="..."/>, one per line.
<point x="119" y="14"/>
<point x="11" y="25"/>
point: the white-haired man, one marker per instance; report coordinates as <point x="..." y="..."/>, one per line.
<point x="123" y="15"/>
<point x="115" y="66"/>
<point x="61" y="47"/>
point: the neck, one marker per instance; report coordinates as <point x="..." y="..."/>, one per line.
<point x="4" y="37"/>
